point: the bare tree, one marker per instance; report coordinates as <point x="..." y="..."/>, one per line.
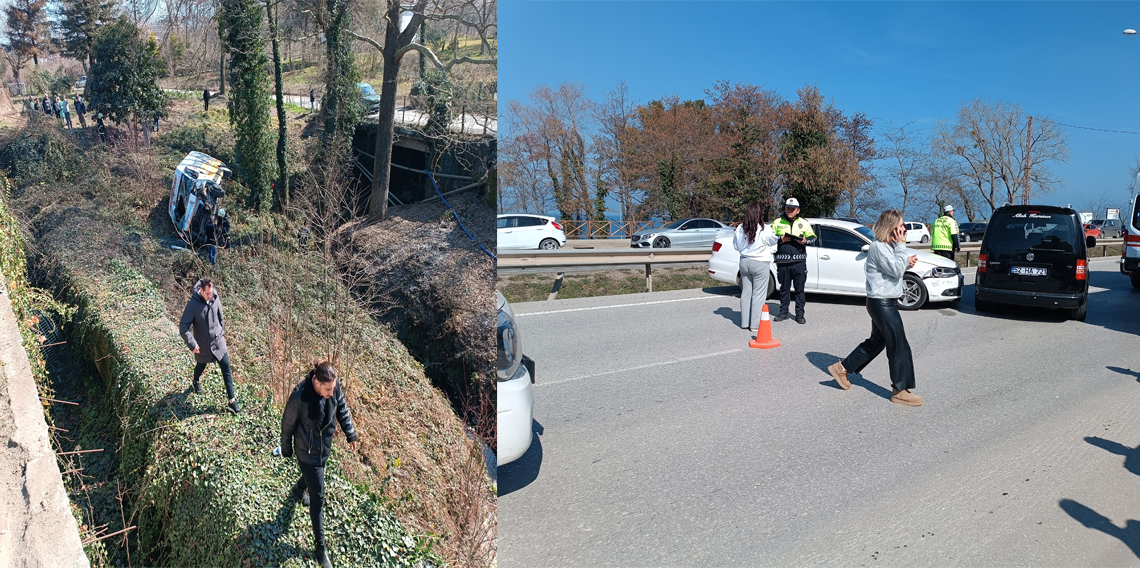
<point x="401" y="24"/>
<point x="990" y="148"/>
<point x="908" y="156"/>
<point x="617" y="120"/>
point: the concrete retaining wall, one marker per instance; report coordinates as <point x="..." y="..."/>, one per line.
<point x="36" y="524"/>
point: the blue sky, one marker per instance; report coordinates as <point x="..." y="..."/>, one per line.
<point x="894" y="61"/>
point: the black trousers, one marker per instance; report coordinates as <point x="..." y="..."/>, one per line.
<point x="886" y="331"/>
<point x="224" y="365"/>
<point x="313" y="478"/>
<point x="946" y="253"/>
<point x="789" y="275"/>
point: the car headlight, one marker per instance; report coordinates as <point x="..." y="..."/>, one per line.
<point x="510" y="346"/>
<point x="944" y="272"/>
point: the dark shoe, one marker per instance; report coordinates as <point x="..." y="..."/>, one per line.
<point x="197" y="388"/>
<point x="233" y="408"/>
<point x="781" y="317"/>
<point x="322" y="557"/>
<point x="905" y="397"/>
<point x="301" y="495"/>
<point x="840" y="375"/>
<point x="800" y="319"/>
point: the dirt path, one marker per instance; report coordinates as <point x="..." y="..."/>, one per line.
<point x="36" y="524"/>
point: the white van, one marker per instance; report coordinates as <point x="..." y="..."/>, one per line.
<point x="1130" y="248"/>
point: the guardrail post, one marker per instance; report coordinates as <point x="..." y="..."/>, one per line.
<point x="1104" y="250"/>
<point x="967" y="259"/>
<point x="649" y="276"/>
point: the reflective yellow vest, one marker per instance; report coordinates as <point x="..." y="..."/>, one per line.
<point x="941" y="230"/>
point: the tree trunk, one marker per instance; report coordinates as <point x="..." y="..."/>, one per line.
<point x="281" y="197"/>
<point x="382" y="166"/>
<point x="222" y="73"/>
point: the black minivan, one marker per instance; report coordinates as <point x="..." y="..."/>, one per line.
<point x="1034" y="255"/>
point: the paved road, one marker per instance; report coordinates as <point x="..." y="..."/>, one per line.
<point x="664" y="440"/>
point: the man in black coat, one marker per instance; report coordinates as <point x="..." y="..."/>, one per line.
<point x="203" y="313"/>
<point x="307" y="428"/>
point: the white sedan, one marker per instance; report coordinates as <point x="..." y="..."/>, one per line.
<point x="917" y="233"/>
<point x="523" y="231"/>
<point x="835" y="260"/>
<point x="514" y="397"/>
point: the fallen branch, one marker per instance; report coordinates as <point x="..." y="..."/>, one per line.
<point x="89" y="541"/>
<point x="60" y="401"/>
<point x="52" y="344"/>
<point x="79" y="452"/>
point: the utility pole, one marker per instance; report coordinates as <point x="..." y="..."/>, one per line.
<point x="1028" y="162"/>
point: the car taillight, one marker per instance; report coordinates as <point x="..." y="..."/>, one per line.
<point x="716" y="246"/>
<point x="1082" y="270"/>
<point x="981" y="263"/>
<point x="556" y="225"/>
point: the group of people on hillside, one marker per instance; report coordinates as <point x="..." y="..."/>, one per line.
<point x="59" y="108"/>
<point x="785" y="241"/>
<point x="314" y="408"/>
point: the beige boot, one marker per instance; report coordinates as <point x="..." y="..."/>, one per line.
<point x="905" y="397"/>
<point x="840" y="375"/>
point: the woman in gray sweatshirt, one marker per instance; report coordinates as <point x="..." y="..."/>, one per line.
<point x="887" y="262"/>
<point x="755" y="243"/>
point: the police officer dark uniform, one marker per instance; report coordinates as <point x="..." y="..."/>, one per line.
<point x="944" y="234"/>
<point x="791" y="258"/>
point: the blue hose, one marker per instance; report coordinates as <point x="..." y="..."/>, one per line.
<point x="432" y="178"/>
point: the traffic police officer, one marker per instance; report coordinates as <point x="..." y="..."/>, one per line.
<point x="791" y="258"/>
<point x="944" y="240"/>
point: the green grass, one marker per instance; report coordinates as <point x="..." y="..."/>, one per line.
<point x="535" y="287"/>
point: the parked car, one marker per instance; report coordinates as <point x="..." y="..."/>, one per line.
<point x="685" y="233"/>
<point x="1092" y="231"/>
<point x="370" y="98"/>
<point x="836" y="260"/>
<point x="917" y="233"/>
<point x="522" y="231"/>
<point x="1034" y="255"/>
<point x="81" y="82"/>
<point x="514" y="396"/>
<point x="1109" y="228"/>
<point x="971" y="232"/>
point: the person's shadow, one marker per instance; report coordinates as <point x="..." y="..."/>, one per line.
<point x="267" y="535"/>
<point x="1129" y="535"/>
<point x="1131" y="455"/>
<point x="824" y="360"/>
<point x="729" y="314"/>
<point x="1124" y="371"/>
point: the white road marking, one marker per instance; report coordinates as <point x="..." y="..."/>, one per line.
<point x="618" y="306"/>
<point x="639" y="367"/>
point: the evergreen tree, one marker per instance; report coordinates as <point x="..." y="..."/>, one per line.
<point x="123" y="82"/>
<point x="79" y="23"/>
<point x="27" y="33"/>
<point x="342" y="104"/>
<point x="240" y="26"/>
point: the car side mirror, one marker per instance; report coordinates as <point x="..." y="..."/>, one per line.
<point x="1090" y="241"/>
<point x="865" y="248"/>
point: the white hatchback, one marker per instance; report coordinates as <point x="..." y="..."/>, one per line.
<point x="836" y="258"/>
<point x="523" y="231"/>
<point x="514" y="396"/>
<point x="917" y="233"/>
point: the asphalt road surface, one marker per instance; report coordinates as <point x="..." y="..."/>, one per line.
<point x="664" y="440"/>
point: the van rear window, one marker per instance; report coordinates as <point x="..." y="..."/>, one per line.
<point x="1031" y="231"/>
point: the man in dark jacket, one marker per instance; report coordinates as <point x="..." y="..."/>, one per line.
<point x="203" y="313"/>
<point x="80" y="110"/>
<point x="307" y="427"/>
<point x="206" y="100"/>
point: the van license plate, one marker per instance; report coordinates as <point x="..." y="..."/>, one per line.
<point x="1028" y="271"/>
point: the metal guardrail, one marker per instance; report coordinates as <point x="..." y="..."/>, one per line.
<point x="650" y="256"/>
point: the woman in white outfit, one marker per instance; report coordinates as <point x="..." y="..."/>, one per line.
<point x="756" y="243"/>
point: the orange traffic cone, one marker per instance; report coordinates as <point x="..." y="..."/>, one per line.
<point x="764" y="339"/>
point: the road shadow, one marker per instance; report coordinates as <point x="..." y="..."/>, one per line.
<point x="722" y="290"/>
<point x="1015" y="313"/>
<point x="523" y="471"/>
<point x="822" y="361"/>
<point x="266" y="536"/>
<point x="729" y="314"/>
<point x="1131" y="455"/>
<point x="1129" y="535"/>
<point x="1123" y="371"/>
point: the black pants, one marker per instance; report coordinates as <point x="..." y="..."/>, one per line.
<point x="313" y="478"/>
<point x="790" y="274"/>
<point x="946" y="253"/>
<point x="886" y="331"/>
<point x="224" y="365"/>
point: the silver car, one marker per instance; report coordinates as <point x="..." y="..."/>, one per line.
<point x="685" y="233"/>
